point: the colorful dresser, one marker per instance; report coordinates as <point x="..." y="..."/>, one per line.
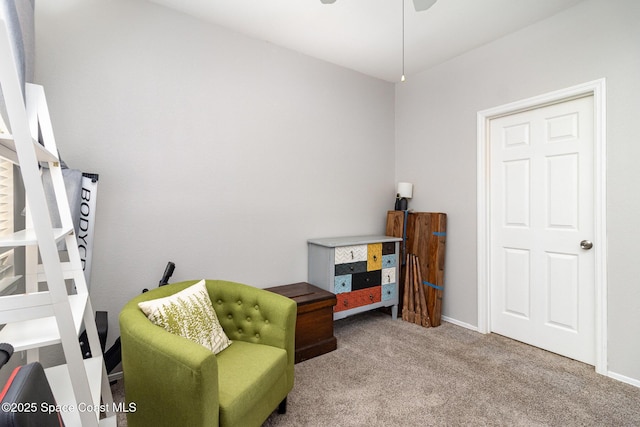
<point x="362" y="271"/>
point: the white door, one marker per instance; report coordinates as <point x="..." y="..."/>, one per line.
<point x="542" y="224"/>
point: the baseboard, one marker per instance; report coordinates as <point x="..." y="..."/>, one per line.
<point x="618" y="377"/>
<point x="631" y="381"/>
<point x="115" y="376"/>
<point x="459" y="323"/>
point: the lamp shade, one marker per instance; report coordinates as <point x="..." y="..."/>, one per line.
<point x="405" y="189"/>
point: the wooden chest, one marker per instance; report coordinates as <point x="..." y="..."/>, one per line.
<point x="314" y="324"/>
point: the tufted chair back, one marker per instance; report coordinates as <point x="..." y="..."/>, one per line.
<point x="246" y="315"/>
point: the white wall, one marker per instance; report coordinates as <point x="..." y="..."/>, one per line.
<point x="436" y="144"/>
<point x="224" y="154"/>
<point x="221" y="153"/>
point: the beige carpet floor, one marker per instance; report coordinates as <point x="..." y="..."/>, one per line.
<point x="387" y="372"/>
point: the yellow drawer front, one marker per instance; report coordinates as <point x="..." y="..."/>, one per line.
<point x="374" y="256"/>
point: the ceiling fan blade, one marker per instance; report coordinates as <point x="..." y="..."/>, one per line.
<point x="421" y="5"/>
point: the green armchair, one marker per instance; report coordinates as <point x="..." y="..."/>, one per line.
<point x="173" y="381"/>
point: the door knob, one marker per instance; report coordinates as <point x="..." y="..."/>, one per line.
<point x="586" y="244"/>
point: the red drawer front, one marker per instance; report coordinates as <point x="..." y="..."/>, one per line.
<point x="349" y="300"/>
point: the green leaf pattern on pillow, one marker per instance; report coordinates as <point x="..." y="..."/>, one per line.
<point x="189" y="313"/>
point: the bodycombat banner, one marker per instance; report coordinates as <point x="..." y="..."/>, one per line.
<point x="86" y="225"/>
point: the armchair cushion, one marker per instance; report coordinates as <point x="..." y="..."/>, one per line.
<point x="188" y="313"/>
<point x="245" y="370"/>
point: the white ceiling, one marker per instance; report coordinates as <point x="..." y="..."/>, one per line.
<point x="366" y="35"/>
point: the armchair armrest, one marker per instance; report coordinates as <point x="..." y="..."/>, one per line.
<point x="154" y="359"/>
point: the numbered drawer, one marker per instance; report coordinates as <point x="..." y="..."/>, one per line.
<point x="374" y="256"/>
<point x="389" y="291"/>
<point x="350" y="254"/>
<point x="388" y="248"/>
<point x="388" y="275"/>
<point x="388" y="260"/>
<point x="362" y="297"/>
<point x="366" y="280"/>
<point x="350" y="268"/>
<point x="342" y="284"/>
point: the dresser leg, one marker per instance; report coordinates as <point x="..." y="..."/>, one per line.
<point x="394" y="312"/>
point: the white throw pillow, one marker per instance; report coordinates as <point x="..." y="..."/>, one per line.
<point x="188" y="313"/>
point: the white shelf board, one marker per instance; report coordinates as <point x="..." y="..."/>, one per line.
<point x="8" y="153"/>
<point x="8" y="150"/>
<point x="28" y="237"/>
<point x="7" y="284"/>
<point x="60" y="382"/>
<point x="42" y="331"/>
<point x="68" y="271"/>
<point x="5" y="267"/>
<point x="25" y="306"/>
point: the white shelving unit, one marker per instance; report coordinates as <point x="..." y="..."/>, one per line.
<point x="55" y="305"/>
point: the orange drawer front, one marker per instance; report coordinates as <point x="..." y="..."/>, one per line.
<point x="349" y="300"/>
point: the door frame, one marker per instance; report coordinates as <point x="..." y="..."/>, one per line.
<point x="596" y="89"/>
